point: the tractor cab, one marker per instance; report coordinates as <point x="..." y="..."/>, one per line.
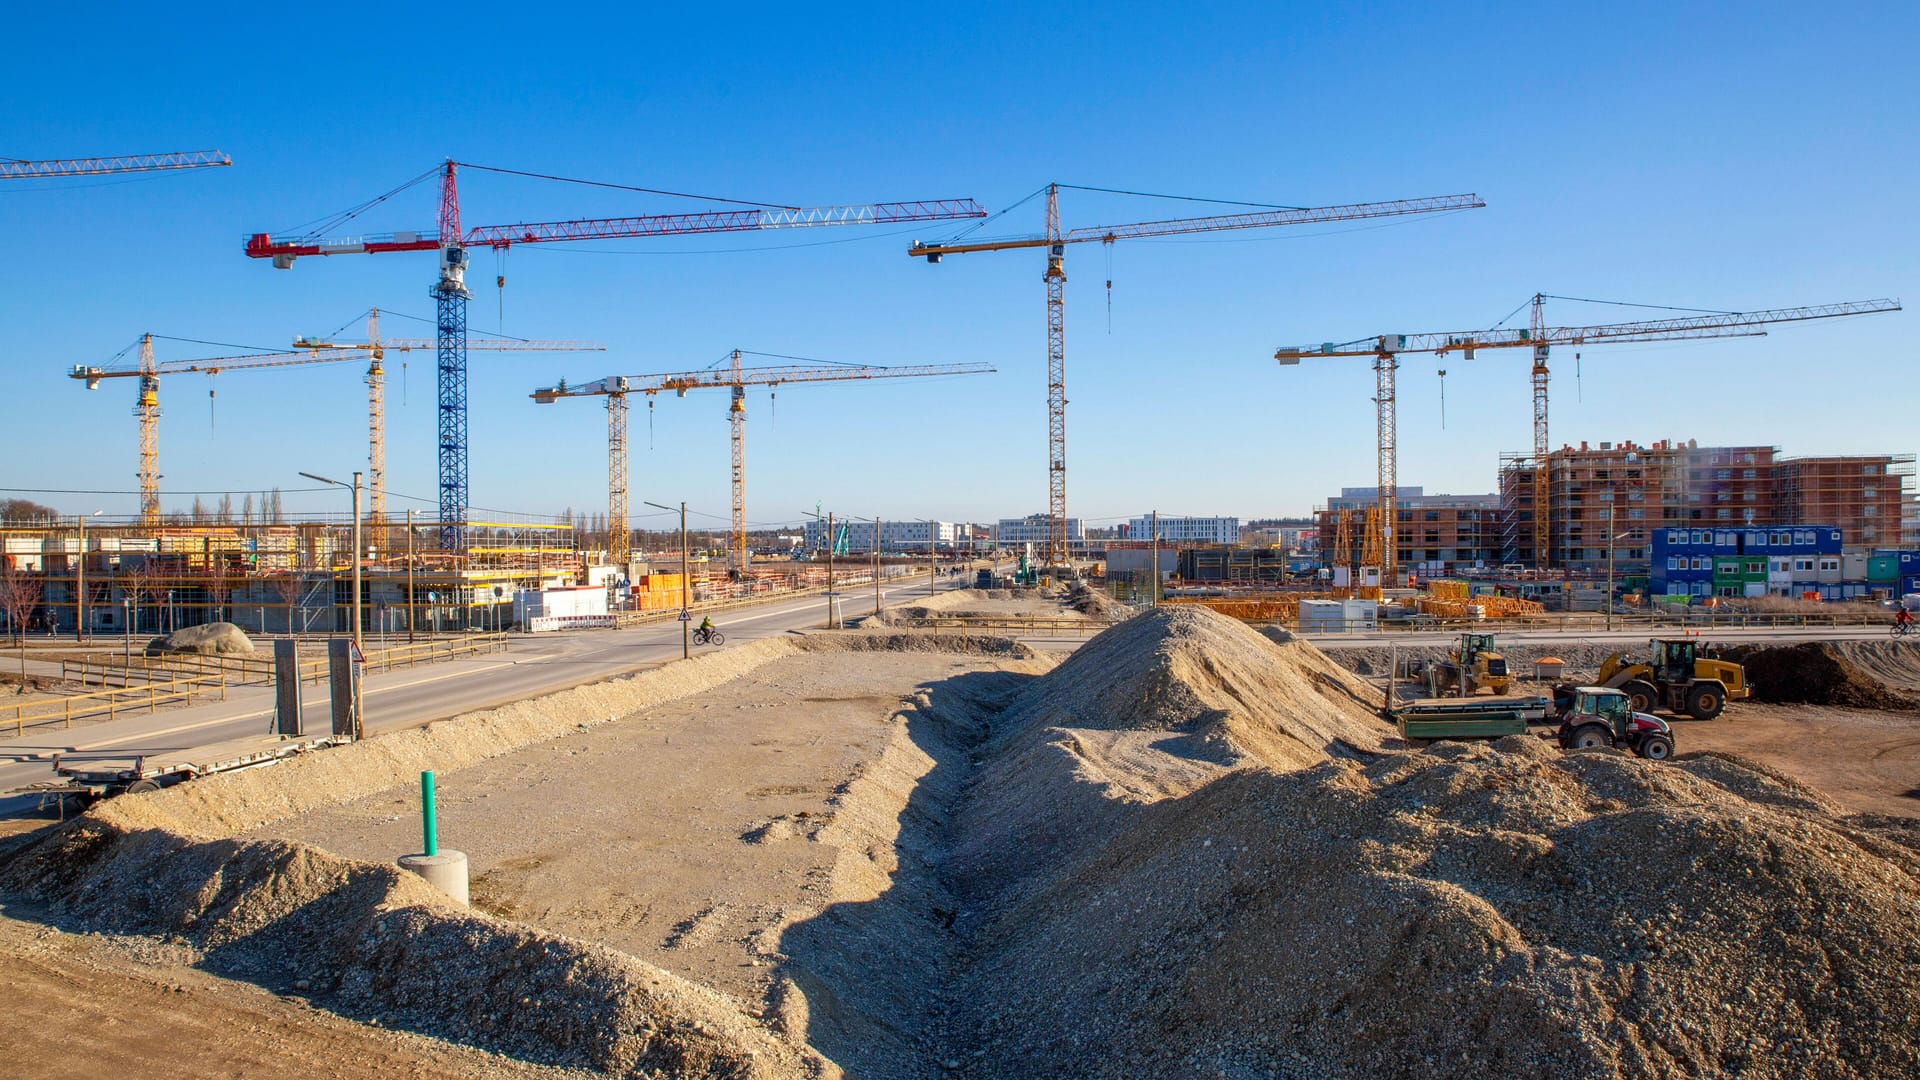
<point x="1673" y="660"/>
<point x="1599" y="716"/>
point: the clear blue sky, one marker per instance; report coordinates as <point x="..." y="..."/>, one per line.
<point x="1724" y="156"/>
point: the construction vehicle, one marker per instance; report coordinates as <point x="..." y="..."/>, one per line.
<point x="1471" y="665"/>
<point x="1028" y="574"/>
<point x="1676" y="680"/>
<point x="1461" y="717"/>
<point x="1599" y="716"/>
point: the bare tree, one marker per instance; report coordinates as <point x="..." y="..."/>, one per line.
<point x="246" y="509"/>
<point x="223" y="511"/>
<point x="19" y="595"/>
<point x="274" y="516"/>
<point x="288" y="586"/>
<point x="219" y="586"/>
<point x="147" y="580"/>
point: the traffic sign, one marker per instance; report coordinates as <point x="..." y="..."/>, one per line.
<point x="686" y="616"/>
<point x="353" y="651"/>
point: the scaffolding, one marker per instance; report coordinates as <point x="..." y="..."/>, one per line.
<point x="1860" y="494"/>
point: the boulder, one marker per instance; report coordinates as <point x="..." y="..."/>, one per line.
<point x="206" y="639"/>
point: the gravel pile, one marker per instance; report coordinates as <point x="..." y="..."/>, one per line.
<point x="1466" y="910"/>
<point x="374" y="943"/>
<point x="1095" y="604"/>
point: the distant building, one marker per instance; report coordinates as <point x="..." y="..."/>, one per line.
<point x="1185" y="530"/>
<point x="1034" y="529"/>
<point x="904" y="536"/>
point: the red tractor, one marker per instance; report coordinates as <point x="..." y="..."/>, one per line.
<point x="1597" y="716"/>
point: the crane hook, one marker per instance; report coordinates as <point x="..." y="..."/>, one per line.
<point x="649" y="423"/>
<point x="1443" y="399"/>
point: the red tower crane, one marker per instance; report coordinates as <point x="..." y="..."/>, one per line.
<point x="451" y="295"/>
<point x="1055" y="276"/>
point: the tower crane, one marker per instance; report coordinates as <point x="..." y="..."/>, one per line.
<point x="375" y="349"/>
<point x="147" y="410"/>
<point x="1385" y="350"/>
<point x="1055" y="241"/>
<point x="450" y="291"/>
<point x="733" y="377"/>
<point x="101" y="166"/>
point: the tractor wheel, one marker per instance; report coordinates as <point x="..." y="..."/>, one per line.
<point x="1641" y="695"/>
<point x="141" y="787"/>
<point x="1591" y="737"/>
<point x="1705" y="702"/>
<point x="1655" y="748"/>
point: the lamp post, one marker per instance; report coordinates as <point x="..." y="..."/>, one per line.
<point x="830" y="544"/>
<point x="355" y="488"/>
<point x="1611" y="538"/>
<point x="932" y="527"/>
<point x="80" y="581"/>
<point x="686" y="583"/>
<point x="413" y="609"/>
<point x="875" y="552"/>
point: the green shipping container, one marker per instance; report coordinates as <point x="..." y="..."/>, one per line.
<point x="1883" y="569"/>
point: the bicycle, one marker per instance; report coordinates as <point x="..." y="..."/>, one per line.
<point x="1901" y="630"/>
<point x="708" y="637"/>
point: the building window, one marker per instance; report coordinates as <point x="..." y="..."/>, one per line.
<point x="1747" y="474"/>
<point x="1723" y="474"/>
<point x="1748" y="497"/>
<point x="1723" y="514"/>
<point x="1829" y="564"/>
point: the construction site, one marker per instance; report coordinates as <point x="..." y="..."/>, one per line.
<point x="853" y="741"/>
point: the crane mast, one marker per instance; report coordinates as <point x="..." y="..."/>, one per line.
<point x="1385" y="349"/>
<point x="1055" y="242"/>
<point x="735" y="379"/>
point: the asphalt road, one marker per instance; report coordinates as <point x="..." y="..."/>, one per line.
<point x="531" y="666"/>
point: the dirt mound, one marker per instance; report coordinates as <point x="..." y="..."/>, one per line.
<point x="1190" y="671"/>
<point x="1462" y="911"/>
<point x="1150" y="709"/>
<point x="1093" y="603"/>
<point x="915" y="641"/>
<point x="1814" y="673"/>
<point x="1895" y="663"/>
<point x="206" y="639"/>
<point x="370" y="941"/>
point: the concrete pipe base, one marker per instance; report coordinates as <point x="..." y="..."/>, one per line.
<point x="446" y="871"/>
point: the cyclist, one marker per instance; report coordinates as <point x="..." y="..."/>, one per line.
<point x="706" y="626"/>
<point x="1903" y="619"/>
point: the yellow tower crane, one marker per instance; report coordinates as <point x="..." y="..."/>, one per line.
<point x="148" y="370"/>
<point x="733" y="377"/>
<point x="376" y="348"/>
<point x="1055" y="241"/>
<point x="1385" y="349"/>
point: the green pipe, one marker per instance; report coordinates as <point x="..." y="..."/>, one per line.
<point x="430" y="833"/>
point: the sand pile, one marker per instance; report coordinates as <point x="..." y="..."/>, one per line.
<point x="1815" y="673"/>
<point x="1186" y="670"/>
<point x="1466" y="910"/>
<point x="369" y="941"/>
<point x="1151" y="709"/>
<point x="1895" y="663"/>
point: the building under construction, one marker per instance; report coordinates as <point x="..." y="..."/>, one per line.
<point x="1613" y="495"/>
<point x="282" y="578"/>
<point x="1434" y="534"/>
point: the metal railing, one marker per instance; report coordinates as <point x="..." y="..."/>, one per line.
<point x="259" y="670"/>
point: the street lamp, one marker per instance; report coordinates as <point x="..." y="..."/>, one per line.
<point x="686" y="583"/>
<point x="80" y="581"/>
<point x="875" y="545"/>
<point x="1611" y="538"/>
<point x="355" y="488"/>
<point x="931" y="528"/>
<point x="830" y="545"/>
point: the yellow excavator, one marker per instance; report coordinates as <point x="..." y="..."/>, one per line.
<point x="1676" y="680"/>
